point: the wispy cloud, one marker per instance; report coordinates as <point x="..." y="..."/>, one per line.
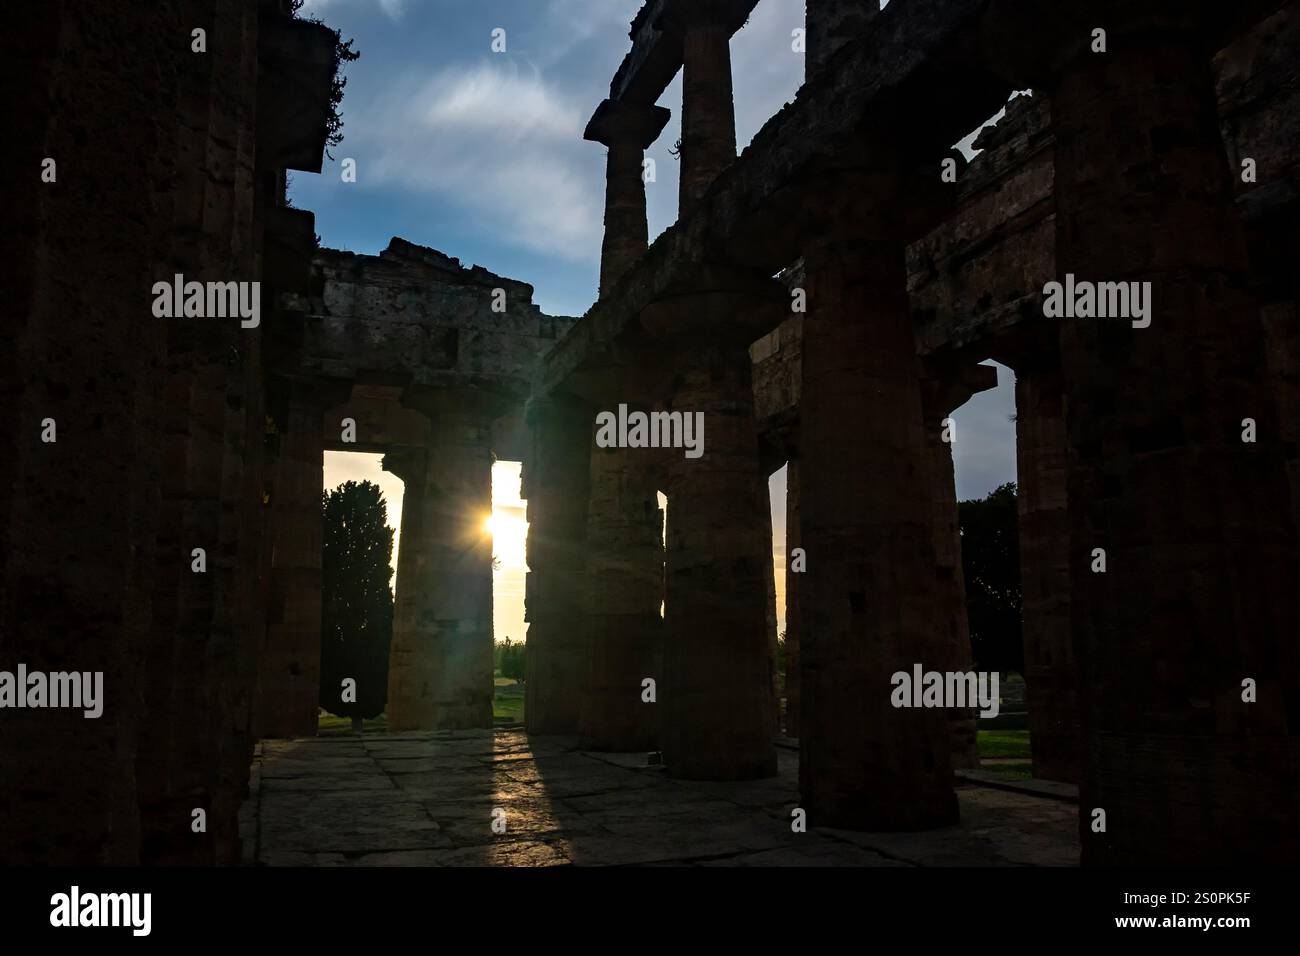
<point x="393" y="9"/>
<point x="496" y="139"/>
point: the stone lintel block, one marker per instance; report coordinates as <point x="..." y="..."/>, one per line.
<point x="656" y="53"/>
<point x="459" y="404"/>
<point x="296" y="70"/>
<point x="679" y="15"/>
<point x="619" y="122"/>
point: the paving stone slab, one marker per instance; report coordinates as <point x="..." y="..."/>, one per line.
<point x="426" y="799"/>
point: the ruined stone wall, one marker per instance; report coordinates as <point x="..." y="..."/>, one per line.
<point x="433" y="361"/>
<point x="423" y="319"/>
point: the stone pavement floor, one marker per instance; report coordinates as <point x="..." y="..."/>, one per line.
<point x="428" y="799"/>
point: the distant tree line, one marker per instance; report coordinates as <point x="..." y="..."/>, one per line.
<point x="509" y="659"/>
<point x="990" y="558"/>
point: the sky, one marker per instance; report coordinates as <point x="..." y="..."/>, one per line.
<point x="480" y="155"/>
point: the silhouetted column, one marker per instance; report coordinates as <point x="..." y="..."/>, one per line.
<point x="289" y="694"/>
<point x="769" y="602"/>
<point x="793" y="586"/>
<point x="1198" y="592"/>
<point x="413" y="562"/>
<point x="718" y="706"/>
<point x="1051" y="671"/>
<point x="624" y="592"/>
<point x="870" y="594"/>
<point x="1282" y="332"/>
<point x="555" y="478"/>
<point x="440" y="668"/>
<point x="947" y="389"/>
<point x="626" y="129"/>
<point x="708" y="114"/>
<point x="830" y="24"/>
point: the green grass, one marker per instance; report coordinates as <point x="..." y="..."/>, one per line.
<point x="329" y="724"/>
<point x="1006" y="745"/>
<point x="1019" y="771"/>
<point x="1003" y="744"/>
<point x="508" y="704"/>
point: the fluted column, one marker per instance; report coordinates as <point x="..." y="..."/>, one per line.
<point x="624" y="593"/>
<point x="718" y="707"/>
<point x="289" y="692"/>
<point x="626" y="129"/>
<point x="1051" y="670"/>
<point x="870" y="594"/>
<point x="708" y="113"/>
<point x="555" y="481"/>
<point x="410" y="465"/>
<point x="948" y="388"/>
<point x="793" y="586"/>
<point x="440" y="668"/>
<point x="1198" y="592"/>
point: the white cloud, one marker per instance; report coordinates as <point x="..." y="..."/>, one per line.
<point x="497" y="140"/>
<point x="984" y="453"/>
<point x="393" y="9"/>
<point x="574" y="22"/>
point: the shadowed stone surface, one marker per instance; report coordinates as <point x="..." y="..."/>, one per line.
<point x="427" y="800"/>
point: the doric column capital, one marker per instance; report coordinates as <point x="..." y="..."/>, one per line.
<point x="617" y="122"/>
<point x="406" y="462"/>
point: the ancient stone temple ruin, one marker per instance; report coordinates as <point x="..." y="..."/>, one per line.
<point x="823" y="303"/>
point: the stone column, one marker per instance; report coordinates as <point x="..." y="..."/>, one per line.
<point x="870" y="593"/>
<point x="624" y="595"/>
<point x="769" y="600"/>
<point x="289" y="692"/>
<point x="947" y="389"/>
<point x="718" y="707"/>
<point x="1282" y="332"/>
<point x="440" y="668"/>
<point x="708" y="115"/>
<point x="1198" y="594"/>
<point x="626" y="129"/>
<point x="555" y="479"/>
<point x="792" y="611"/>
<point x="413" y="560"/>
<point x="1051" y="671"/>
<point x="830" y="24"/>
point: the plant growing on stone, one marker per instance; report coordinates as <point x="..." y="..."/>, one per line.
<point x="343" y="53"/>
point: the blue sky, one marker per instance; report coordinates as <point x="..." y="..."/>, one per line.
<point x="480" y="155"/>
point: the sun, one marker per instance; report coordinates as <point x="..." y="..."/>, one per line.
<point x="509" y="535"/>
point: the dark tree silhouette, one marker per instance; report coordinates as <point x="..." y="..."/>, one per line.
<point x="512" y="660"/>
<point x="990" y="558"/>
<point x="356" y="601"/>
